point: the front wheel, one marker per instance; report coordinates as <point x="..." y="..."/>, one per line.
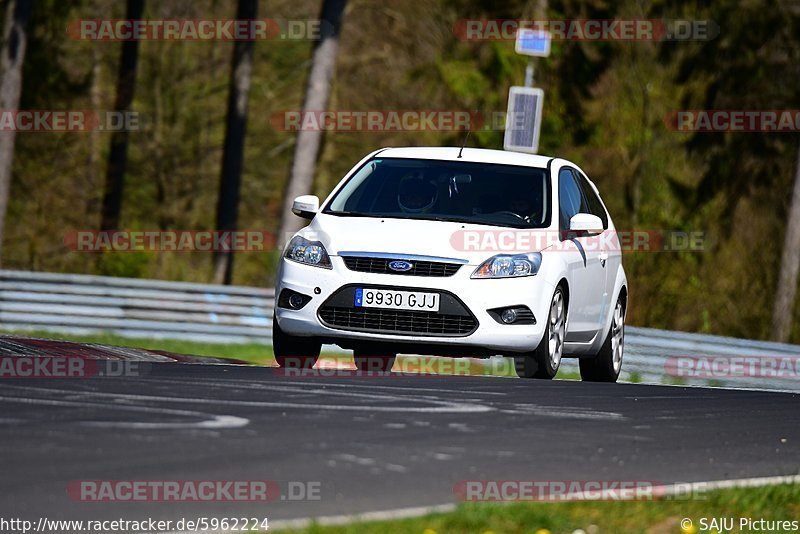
<point x="605" y="367"/>
<point x="294" y="352"/>
<point x="545" y="360"/>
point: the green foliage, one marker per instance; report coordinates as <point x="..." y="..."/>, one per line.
<point x="131" y="264"/>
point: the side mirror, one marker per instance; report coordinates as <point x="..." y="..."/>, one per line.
<point x="586" y="223"/>
<point x="305" y="206"/>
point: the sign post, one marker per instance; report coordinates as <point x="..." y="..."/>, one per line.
<point x="524" y="114"/>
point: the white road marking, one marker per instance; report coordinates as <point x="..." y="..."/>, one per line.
<point x="252" y="384"/>
<point x="397" y="468"/>
<point x="355" y="459"/>
<point x="564" y="412"/>
<point x="207" y="420"/>
<point x="441" y="406"/>
<point x="376" y="468"/>
<point x="10" y="420"/>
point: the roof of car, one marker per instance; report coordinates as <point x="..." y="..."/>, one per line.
<point x="481" y="155"/>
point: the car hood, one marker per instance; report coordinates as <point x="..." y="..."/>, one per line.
<point x="402" y="236"/>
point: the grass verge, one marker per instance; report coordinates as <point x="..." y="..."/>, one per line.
<point x="772" y="503"/>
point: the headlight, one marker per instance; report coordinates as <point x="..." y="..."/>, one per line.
<point x="509" y="266"/>
<point x="308" y="252"/>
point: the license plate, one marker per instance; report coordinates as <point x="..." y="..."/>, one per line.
<point x="396" y="300"/>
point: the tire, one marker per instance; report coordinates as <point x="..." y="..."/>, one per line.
<point x="605" y="367"/>
<point x="367" y="361"/>
<point x="294" y="352"/>
<point x="545" y="360"/>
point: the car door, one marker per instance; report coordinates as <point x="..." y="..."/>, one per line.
<point x="586" y="272"/>
<point x="609" y="256"/>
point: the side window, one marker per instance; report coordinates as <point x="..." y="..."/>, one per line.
<point x="569" y="197"/>
<point x="595" y="206"/>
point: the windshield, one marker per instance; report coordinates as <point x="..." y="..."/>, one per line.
<point x="478" y="193"/>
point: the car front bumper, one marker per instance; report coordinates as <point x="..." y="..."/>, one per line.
<point x="477" y="295"/>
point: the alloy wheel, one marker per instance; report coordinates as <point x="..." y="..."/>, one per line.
<point x="558" y="328"/>
<point x="617" y="336"/>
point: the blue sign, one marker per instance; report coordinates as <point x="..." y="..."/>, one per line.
<point x="533" y="42"/>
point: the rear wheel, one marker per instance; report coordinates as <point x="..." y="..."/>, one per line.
<point x="605" y="367"/>
<point x="294" y="352"/>
<point x="546" y="359"/>
<point x="376" y="363"/>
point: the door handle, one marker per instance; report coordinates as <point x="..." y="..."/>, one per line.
<point x="603" y="258"/>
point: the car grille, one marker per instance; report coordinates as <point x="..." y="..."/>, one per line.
<point x="419" y="268"/>
<point x="398" y="321"/>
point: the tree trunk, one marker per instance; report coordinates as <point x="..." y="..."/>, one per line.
<point x="93" y="163"/>
<point x="13" y="54"/>
<point x="790" y="266"/>
<point x="233" y="150"/>
<point x="118" y="155"/>
<point x="301" y="180"/>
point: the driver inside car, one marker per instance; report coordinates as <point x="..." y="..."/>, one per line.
<point x="416" y="195"/>
<point x="525" y="205"/>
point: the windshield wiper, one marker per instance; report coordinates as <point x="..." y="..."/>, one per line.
<point x="352" y="214"/>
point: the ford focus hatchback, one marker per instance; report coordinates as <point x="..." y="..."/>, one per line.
<point x="456" y="252"/>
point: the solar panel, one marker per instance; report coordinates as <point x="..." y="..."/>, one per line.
<point x="523" y="119"/>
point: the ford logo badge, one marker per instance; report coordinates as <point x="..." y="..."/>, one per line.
<point x="400" y="266"/>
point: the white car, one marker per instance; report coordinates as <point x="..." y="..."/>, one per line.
<point x="456" y="252"/>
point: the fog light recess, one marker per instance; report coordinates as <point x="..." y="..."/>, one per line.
<point x="513" y="315"/>
<point x="292" y="300"/>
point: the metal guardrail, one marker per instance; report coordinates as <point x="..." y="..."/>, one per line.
<point x="136" y="308"/>
<point x="130" y="307"/>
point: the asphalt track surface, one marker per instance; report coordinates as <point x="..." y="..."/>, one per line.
<point x="370" y="443"/>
